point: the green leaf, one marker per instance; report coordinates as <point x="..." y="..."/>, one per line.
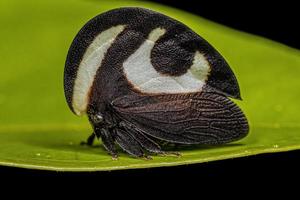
<point x="37" y="129"/>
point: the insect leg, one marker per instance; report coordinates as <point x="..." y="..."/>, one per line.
<point x="147" y="143"/>
<point x="129" y="144"/>
<point x="108" y="142"/>
<point x="89" y="141"/>
<point x="142" y="139"/>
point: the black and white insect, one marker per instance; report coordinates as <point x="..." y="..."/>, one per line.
<point x="144" y="78"/>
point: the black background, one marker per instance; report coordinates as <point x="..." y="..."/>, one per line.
<point x="276" y="21"/>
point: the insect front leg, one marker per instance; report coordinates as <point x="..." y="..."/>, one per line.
<point x="108" y="141"/>
<point x="90" y="140"/>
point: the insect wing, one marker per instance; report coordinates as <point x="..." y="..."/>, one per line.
<point x="205" y="118"/>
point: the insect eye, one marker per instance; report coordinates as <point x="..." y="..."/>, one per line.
<point x="97" y="118"/>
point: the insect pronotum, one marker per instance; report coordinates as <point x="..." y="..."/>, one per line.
<point x="144" y="78"/>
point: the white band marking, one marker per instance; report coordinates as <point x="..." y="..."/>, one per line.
<point x="89" y="65"/>
<point x="140" y="72"/>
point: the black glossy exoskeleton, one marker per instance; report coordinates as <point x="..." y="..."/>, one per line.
<point x="142" y="77"/>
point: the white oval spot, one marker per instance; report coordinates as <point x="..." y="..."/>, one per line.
<point x="141" y="73"/>
<point x="89" y="65"/>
